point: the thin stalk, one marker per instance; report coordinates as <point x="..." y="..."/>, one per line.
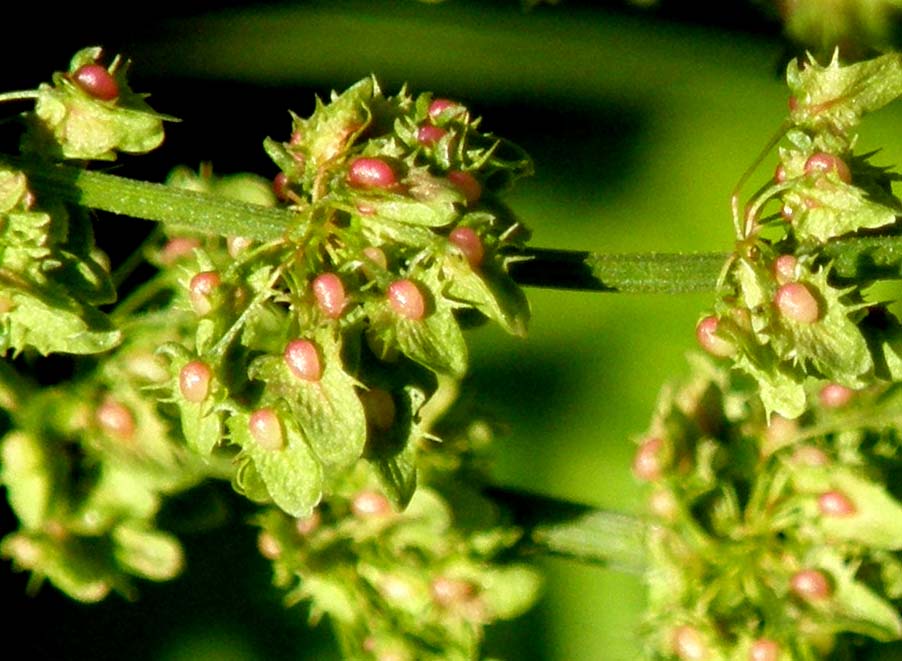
<point x="665" y="273"/>
<point x="578" y="532"/>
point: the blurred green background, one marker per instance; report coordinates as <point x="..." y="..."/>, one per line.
<point x="640" y="121"/>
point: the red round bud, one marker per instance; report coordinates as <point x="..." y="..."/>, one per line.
<point x="303" y="360"/>
<point x="835" y="396"/>
<point x="468" y="242"/>
<point x="785" y="268"/>
<point x="836" y="504"/>
<point x="822" y="163"/>
<point x="649" y="461"/>
<point x="438" y="106"/>
<point x="269" y="546"/>
<point x="376" y="256"/>
<point x="780" y="173"/>
<point x="808" y="455"/>
<point x="330" y="294"/>
<point x="280" y="187"/>
<point x="97" y="82"/>
<point x="308" y="525"/>
<point x="379" y="407"/>
<point x="764" y="649"/>
<point x="368" y="172"/>
<point x="194" y="381"/>
<point x="447" y="592"/>
<point x="237" y="245"/>
<point x="115" y="419"/>
<point x="706" y="335"/>
<point x="370" y="504"/>
<point x="796" y="302"/>
<point x="201" y="288"/>
<point x="178" y="248"/>
<point x="810" y="585"/>
<point x="428" y="134"/>
<point x="688" y="644"/>
<point x="467" y="185"/>
<point x="406" y="299"/>
<point x="266" y="429"/>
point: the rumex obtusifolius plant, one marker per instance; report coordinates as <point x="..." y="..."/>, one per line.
<point x="314" y="364"/>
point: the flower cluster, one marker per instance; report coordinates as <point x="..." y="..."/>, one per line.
<point x="776" y="540"/>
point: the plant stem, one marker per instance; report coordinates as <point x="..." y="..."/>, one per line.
<point x="876" y="257"/>
<point x="575" y="531"/>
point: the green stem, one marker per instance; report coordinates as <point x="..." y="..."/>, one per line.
<point x="19" y="96"/>
<point x="853" y="259"/>
<point x="574" y="531"/>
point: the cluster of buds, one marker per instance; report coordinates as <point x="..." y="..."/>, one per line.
<point x="316" y="350"/>
<point x="783" y="315"/>
<point x="777" y="540"/>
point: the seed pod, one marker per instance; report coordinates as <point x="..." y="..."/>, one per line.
<point x="835" y="396"/>
<point x="266" y="429"/>
<point x="796" y="302"/>
<point x="822" y="163"/>
<point x="330" y="294"/>
<point x="468" y="242"/>
<point x="650" y="461"/>
<point x="370" y="504"/>
<point x="689" y="644"/>
<point x="810" y="585"/>
<point x="405" y="299"/>
<point x="438" y="106"/>
<point x="428" y="134"/>
<point x="115" y="419"/>
<point x="467" y="185"/>
<point x="836" y="504"/>
<point x="201" y="288"/>
<point x="785" y="268"/>
<point x="303" y="360"/>
<point x="366" y="172"/>
<point x="764" y="649"/>
<point x="706" y="334"/>
<point x="194" y="381"/>
<point x="97" y="82"/>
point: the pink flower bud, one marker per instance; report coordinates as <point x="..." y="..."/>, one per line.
<point x="835" y="396"/>
<point x="785" y="268"/>
<point x="330" y="294"/>
<point x="810" y="585"/>
<point x="269" y="546"/>
<point x="194" y="381"/>
<point x="376" y="256"/>
<point x="447" y="592"/>
<point x="428" y="134"/>
<point x="467" y="185"/>
<point x="822" y="163"/>
<point x="796" y="303"/>
<point x="438" y="106"/>
<point x="309" y="524"/>
<point x="266" y="429"/>
<point x="237" y="245"/>
<point x="367" y="172"/>
<point x="115" y="419"/>
<point x="688" y="644"/>
<point x="96" y="81"/>
<point x="649" y="461"/>
<point x="370" y="504"/>
<point x="468" y="242"/>
<point x="178" y="248"/>
<point x="280" y="187"/>
<point x="836" y="504"/>
<point x="406" y="299"/>
<point x="780" y="173"/>
<point x="303" y="360"/>
<point x="201" y="288"/>
<point x="764" y="649"/>
<point x="706" y="335"/>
